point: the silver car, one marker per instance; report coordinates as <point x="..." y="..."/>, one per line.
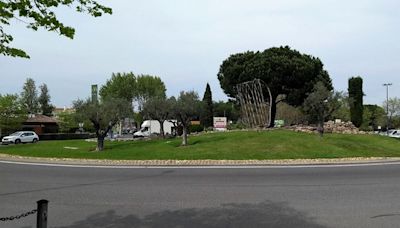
<point x="21" y="137"/>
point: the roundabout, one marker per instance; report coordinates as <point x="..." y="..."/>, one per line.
<point x="313" y="195"/>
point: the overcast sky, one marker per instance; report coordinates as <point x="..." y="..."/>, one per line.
<point x="185" y="41"/>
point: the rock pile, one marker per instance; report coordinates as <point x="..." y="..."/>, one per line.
<point x="329" y="127"/>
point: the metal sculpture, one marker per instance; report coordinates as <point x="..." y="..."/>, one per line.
<point x="255" y="109"/>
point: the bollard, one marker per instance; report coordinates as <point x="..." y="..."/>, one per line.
<point x="42" y="206"/>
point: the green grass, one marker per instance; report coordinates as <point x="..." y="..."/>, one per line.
<point x="277" y="144"/>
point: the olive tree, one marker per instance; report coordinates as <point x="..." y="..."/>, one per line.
<point x="160" y="109"/>
<point x="185" y="109"/>
<point x="103" y="115"/>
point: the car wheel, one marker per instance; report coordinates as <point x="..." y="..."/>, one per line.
<point x="34" y="141"/>
<point x="17" y="141"/>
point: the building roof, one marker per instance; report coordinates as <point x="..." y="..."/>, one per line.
<point x="39" y="118"/>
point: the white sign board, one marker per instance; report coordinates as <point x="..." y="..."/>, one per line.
<point x="220" y="123"/>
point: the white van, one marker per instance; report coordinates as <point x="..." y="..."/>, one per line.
<point x="150" y="127"/>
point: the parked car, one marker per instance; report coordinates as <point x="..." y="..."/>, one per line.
<point x="21" y="137"/>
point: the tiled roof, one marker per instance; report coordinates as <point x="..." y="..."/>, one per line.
<point x="38" y="118"/>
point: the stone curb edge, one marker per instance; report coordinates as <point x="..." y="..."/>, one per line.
<point x="284" y="162"/>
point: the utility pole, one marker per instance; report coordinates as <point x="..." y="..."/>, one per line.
<point x="387" y="106"/>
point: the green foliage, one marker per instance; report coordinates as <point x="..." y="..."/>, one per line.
<point x="226" y="109"/>
<point x="29" y="97"/>
<point x="103" y="115"/>
<point x="284" y="70"/>
<point x="373" y="116"/>
<point x="133" y="88"/>
<point x="290" y="114"/>
<point x="12" y="114"/>
<point x="121" y="85"/>
<point x="195" y="128"/>
<point x="393" y="106"/>
<point x="185" y="109"/>
<point x="343" y="110"/>
<point x="44" y="101"/>
<point x="317" y="106"/>
<point x="160" y="109"/>
<point x="237" y="126"/>
<point x="356" y="100"/>
<point x="69" y="123"/>
<point x="41" y="14"/>
<point x="147" y="87"/>
<point x="207" y="108"/>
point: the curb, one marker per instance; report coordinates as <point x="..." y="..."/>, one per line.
<point x="155" y="163"/>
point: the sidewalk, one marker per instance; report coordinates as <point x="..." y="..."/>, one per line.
<point x="288" y="162"/>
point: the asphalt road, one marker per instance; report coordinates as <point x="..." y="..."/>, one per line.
<point x="262" y="197"/>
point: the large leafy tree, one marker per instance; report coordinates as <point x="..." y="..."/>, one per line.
<point x="149" y="86"/>
<point x="287" y="72"/>
<point x="185" y="109"/>
<point x="29" y="96"/>
<point x="44" y="101"/>
<point x="356" y="100"/>
<point x="12" y="113"/>
<point x="121" y="85"/>
<point x="103" y="115"/>
<point x="133" y="88"/>
<point x="207" y="112"/>
<point x="40" y="14"/>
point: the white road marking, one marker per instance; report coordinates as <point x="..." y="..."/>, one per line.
<point x="203" y="166"/>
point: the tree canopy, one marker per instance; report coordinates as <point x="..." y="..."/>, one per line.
<point x="44" y="101"/>
<point x="103" y="115"/>
<point x="356" y="100"/>
<point x="160" y="109"/>
<point x="286" y="72"/>
<point x="185" y="109"/>
<point x="29" y="96"/>
<point x="12" y="113"/>
<point x="40" y="14"/>
<point x="207" y="113"/>
<point x="133" y="88"/>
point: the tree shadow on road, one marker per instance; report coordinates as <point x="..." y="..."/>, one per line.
<point x="265" y="214"/>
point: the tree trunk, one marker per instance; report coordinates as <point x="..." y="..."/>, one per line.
<point x="162" y="129"/>
<point x="273" y="113"/>
<point x="320" y="128"/>
<point x="184" y="136"/>
<point x="100" y="143"/>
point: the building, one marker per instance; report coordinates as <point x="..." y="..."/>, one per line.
<point x="40" y="124"/>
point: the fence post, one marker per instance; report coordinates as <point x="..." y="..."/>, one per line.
<point x="42" y="206"/>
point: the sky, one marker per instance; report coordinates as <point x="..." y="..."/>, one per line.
<point x="185" y="41"/>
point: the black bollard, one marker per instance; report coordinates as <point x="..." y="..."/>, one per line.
<point x="42" y="206"/>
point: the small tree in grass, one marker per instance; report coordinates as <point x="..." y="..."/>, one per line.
<point x="319" y="105"/>
<point x="186" y="108"/>
<point x="160" y="109"/>
<point x="103" y="115"/>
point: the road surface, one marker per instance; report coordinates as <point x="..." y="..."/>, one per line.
<point x="365" y="196"/>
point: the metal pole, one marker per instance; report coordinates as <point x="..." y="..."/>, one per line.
<point x="387" y="107"/>
<point x="42" y="206"/>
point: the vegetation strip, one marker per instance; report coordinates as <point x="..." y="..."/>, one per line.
<point x="236" y="145"/>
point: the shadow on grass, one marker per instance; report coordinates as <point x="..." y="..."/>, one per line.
<point x="265" y="214"/>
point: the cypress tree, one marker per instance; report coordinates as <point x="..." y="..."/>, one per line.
<point x="356" y="100"/>
<point x="207" y="113"/>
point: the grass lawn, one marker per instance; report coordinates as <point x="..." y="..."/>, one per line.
<point x="277" y="144"/>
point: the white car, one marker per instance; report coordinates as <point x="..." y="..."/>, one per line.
<point x="21" y="137"/>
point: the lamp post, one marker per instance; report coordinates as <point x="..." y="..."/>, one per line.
<point x="387" y="106"/>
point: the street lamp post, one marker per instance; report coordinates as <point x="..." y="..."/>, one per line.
<point x="387" y="106"/>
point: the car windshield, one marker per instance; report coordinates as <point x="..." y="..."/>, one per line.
<point x="16" y="133"/>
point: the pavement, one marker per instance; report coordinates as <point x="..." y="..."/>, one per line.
<point x="339" y="196"/>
